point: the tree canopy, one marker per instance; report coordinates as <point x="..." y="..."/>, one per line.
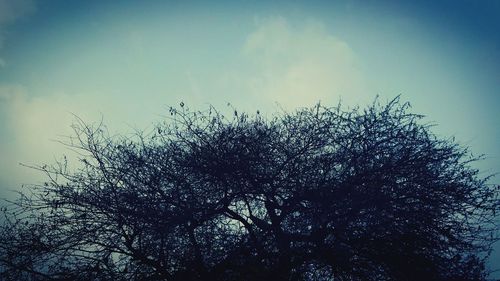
<point x="324" y="193"/>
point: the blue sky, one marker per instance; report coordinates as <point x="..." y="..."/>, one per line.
<point x="129" y="61"/>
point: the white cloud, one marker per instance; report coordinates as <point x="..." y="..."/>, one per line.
<point x="10" y="92"/>
<point x="33" y="124"/>
<point x="300" y="66"/>
<point x="10" y="11"/>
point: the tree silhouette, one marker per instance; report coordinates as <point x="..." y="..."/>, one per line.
<point x="318" y="194"/>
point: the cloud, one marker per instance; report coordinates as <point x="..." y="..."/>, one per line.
<point x="10" y="11"/>
<point x="32" y="121"/>
<point x="300" y="66"/>
<point x="32" y="124"/>
<point x="10" y="92"/>
<point x="29" y="125"/>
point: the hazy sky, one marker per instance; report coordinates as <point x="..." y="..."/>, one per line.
<point x="128" y="62"/>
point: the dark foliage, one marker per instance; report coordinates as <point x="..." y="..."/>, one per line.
<point x="319" y="194"/>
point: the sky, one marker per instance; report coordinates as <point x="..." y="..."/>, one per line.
<point x="128" y="61"/>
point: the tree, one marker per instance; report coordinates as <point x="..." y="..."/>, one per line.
<point x="318" y="194"/>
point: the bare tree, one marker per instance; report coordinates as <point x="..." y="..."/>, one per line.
<point x="318" y="194"/>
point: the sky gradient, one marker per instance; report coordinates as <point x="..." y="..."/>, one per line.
<point x="127" y="63"/>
